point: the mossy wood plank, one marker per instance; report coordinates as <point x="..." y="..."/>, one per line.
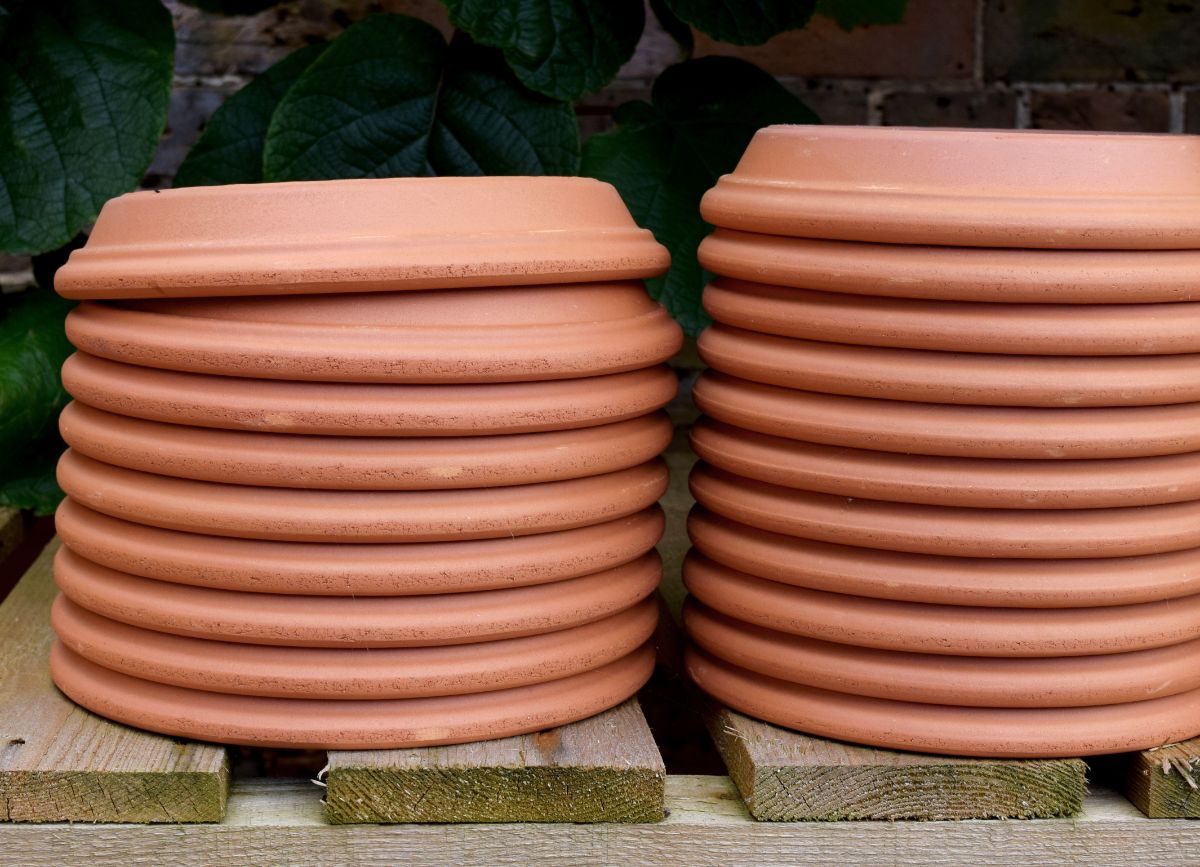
<point x="1163" y="783"/>
<point x="786" y="776"/>
<point x="603" y="769"/>
<point x="59" y="763"/>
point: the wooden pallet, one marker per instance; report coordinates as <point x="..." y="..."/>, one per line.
<point x="61" y="763"/>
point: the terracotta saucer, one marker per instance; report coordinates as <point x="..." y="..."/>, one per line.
<point x="362" y="409"/>
<point x="498" y="335"/>
<point x="960" y="532"/>
<point x="985" y="581"/>
<point x="332" y="569"/>
<point x="316" y="724"/>
<point x="362" y="463"/>
<point x="948" y="429"/>
<point x="1069" y="681"/>
<point x="340" y="673"/>
<point x="969" y="731"/>
<point x="957" y="273"/>
<point x="298" y="515"/>
<point x="975" y="188"/>
<point x="360" y="236"/>
<point x="974" y="482"/>
<point x="956" y="326"/>
<point x="951" y="377"/>
<point x="341" y="621"/>
<point x="952" y="630"/>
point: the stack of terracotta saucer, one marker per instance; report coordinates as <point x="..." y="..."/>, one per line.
<point x="362" y="463"/>
<point x="949" y="497"/>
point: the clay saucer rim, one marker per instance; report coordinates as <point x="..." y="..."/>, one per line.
<point x="1071" y="681"/>
<point x="361" y="463"/>
<point x="947" y="481"/>
<point x="926" y="376"/>
<point x="963" y="187"/>
<point x="1014" y="733"/>
<point x="332" y="569"/>
<point x="969" y="581"/>
<point x="360" y="235"/>
<point x="950" y="430"/>
<point x="317" y="724"/>
<point x="956" y="326"/>
<point x="347" y="673"/>
<point x="957" y="531"/>
<point x="365" y="409"/>
<point x="323" y="621"/>
<point x="950" y="630"/>
<point x="373" y="353"/>
<point x="956" y="273"/>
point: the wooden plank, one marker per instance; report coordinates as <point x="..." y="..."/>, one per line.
<point x="279" y="822"/>
<point x="787" y="776"/>
<point x="1163" y="783"/>
<point x="603" y="769"/>
<point x="676" y="503"/>
<point x="60" y="763"/>
<point x="12" y="531"/>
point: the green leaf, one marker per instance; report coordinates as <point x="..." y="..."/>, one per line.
<point x="675" y="28"/>
<point x="742" y="23"/>
<point x="232" y="7"/>
<point x="662" y="157"/>
<point x="389" y="98"/>
<point x="850" y="14"/>
<point x="33" y="347"/>
<point x="28" y="482"/>
<point x="84" y="86"/>
<point x="560" y="48"/>
<point x="230" y="150"/>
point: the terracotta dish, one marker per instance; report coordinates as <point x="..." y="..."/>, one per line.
<point x="342" y="621"/>
<point x="952" y="377"/>
<point x="948" y="429"/>
<point x="498" y="335"/>
<point x="316" y="724"/>
<point x="941" y="629"/>
<point x="362" y="409"/>
<point x="921" y="529"/>
<point x="331" y="569"/>
<point x="974" y="681"/>
<point x="359" y="236"/>
<point x="985" y="581"/>
<point x="969" y="731"/>
<point x="957" y="326"/>
<point x="362" y="463"/>
<point x="974" y="482"/>
<point x="291" y="514"/>
<point x="350" y="674"/>
<point x="956" y="273"/>
<point x="974" y="188"/>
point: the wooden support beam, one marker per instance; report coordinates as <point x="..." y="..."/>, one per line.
<point x="603" y="769"/>
<point x="786" y="776"/>
<point x="1163" y="783"/>
<point x="59" y="763"/>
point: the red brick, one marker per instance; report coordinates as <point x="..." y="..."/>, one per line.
<point x="936" y="39"/>
<point x="1117" y="111"/>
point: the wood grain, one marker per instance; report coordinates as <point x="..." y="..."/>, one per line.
<point x="603" y="769"/>
<point x="787" y="776"/>
<point x="279" y="822"/>
<point x="60" y="763"/>
<point x="1163" y="783"/>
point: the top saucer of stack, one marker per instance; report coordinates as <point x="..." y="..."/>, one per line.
<point x="359" y="236"/>
<point x="956" y="187"/>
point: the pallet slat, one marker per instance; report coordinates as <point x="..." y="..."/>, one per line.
<point x="786" y="776"/>
<point x="603" y="769"/>
<point x="60" y="763"/>
<point x="275" y="822"/>
<point x="1163" y="783"/>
